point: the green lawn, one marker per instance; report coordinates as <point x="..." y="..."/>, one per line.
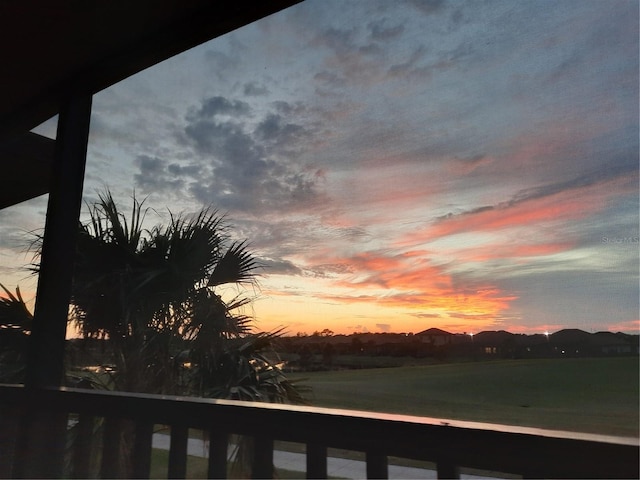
<point x="577" y="394"/>
<point x="598" y="395"/>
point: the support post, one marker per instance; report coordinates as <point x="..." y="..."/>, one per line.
<point x="178" y="449"/>
<point x="46" y="355"/>
<point x="42" y="443"/>
<point x="262" y="466"/>
<point x="316" y="461"/>
<point x="218" y="450"/>
<point x="377" y="465"/>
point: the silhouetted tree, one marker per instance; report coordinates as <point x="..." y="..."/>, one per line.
<point x="154" y="296"/>
<point x="15" y="327"/>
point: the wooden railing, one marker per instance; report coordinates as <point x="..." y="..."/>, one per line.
<point x="35" y="428"/>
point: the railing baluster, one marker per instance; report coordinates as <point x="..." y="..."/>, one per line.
<point x="447" y="469"/>
<point x="377" y="465"/>
<point x="316" y="461"/>
<point x="82" y="446"/>
<point x="218" y="449"/>
<point x="262" y="457"/>
<point x="9" y="423"/>
<point x="111" y="465"/>
<point x="142" y="450"/>
<point x="178" y="452"/>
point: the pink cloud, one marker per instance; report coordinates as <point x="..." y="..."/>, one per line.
<point x="567" y="205"/>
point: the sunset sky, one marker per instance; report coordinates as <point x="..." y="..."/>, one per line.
<point x="396" y="165"/>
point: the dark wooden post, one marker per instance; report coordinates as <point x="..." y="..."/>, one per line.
<point x="377" y="465"/>
<point x="42" y="451"/>
<point x="142" y="449"/>
<point x="111" y="465"/>
<point x="218" y="448"/>
<point x="178" y="452"/>
<point x="262" y="466"/>
<point x="45" y="364"/>
<point x="447" y="468"/>
<point x="316" y="461"/>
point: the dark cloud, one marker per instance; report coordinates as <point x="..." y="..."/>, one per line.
<point x="14" y="237"/>
<point x="613" y="37"/>
<point x="469" y="164"/>
<point x="252" y="89"/>
<point x="221" y="62"/>
<point x="624" y="169"/>
<point x="180" y="171"/>
<point x="473" y="211"/>
<point x="275" y="130"/>
<point x="220" y="106"/>
<point x="352" y="233"/>
<point x="338" y="40"/>
<point x="288" y="108"/>
<point x="352" y="59"/>
<point x="253" y="166"/>
<point x="381" y="33"/>
<point x="330" y="79"/>
<point x="428" y="7"/>
<point x="279" y="267"/>
<point x="225" y="140"/>
<point x="157" y="175"/>
<point x="371" y="49"/>
<point x="411" y="65"/>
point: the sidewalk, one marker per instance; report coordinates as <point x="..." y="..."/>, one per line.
<point x="336" y="467"/>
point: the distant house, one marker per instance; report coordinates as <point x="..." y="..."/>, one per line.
<point x="609" y="343"/>
<point x="570" y="341"/>
<point x="570" y="336"/>
<point x="435" y="337"/>
<point x="494" y="342"/>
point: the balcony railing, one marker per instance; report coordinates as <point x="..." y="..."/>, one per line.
<point x="35" y="438"/>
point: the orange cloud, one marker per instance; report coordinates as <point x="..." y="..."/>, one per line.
<point x="408" y="281"/>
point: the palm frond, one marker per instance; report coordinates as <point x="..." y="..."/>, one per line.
<point x="106" y="218"/>
<point x="14" y="312"/>
<point x="237" y="265"/>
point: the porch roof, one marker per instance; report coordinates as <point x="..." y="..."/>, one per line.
<point x="57" y="47"/>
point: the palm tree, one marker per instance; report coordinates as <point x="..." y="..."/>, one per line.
<point x="15" y="327"/>
<point x="153" y="295"/>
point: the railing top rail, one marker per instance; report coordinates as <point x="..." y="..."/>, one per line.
<point x="334" y="412"/>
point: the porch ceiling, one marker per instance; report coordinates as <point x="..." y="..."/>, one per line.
<point x="60" y="46"/>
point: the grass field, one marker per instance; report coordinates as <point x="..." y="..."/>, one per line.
<point x="597" y="395"/>
<point x="577" y="394"/>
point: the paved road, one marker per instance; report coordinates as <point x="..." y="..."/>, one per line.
<point x="336" y="467"/>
